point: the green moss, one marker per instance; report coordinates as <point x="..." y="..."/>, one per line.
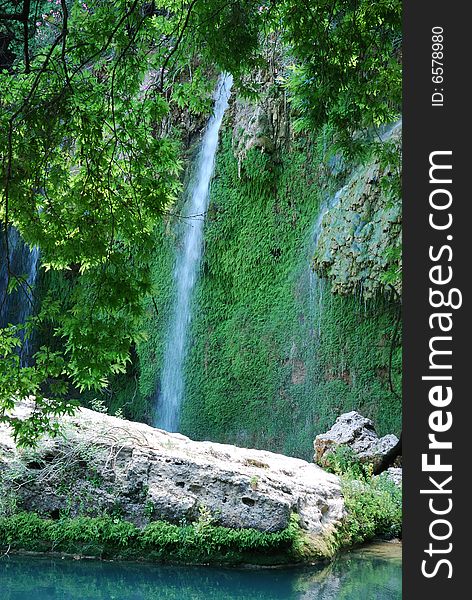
<point x="359" y="247"/>
<point x="274" y="356"/>
<point x="114" y="538"/>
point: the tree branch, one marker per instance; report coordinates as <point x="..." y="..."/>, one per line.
<point x="177" y="43"/>
<point x="26" y="10"/>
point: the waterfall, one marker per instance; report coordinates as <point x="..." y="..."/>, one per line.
<point x="186" y="268"/>
<point x="317" y="284"/>
<point x="17" y="306"/>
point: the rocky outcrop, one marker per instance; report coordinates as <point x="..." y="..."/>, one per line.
<point x="103" y="464"/>
<point x="359" y="247"/>
<point x="263" y="124"/>
<point x="358" y="433"/>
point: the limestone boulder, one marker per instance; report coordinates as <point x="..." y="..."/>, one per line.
<point x="358" y="433"/>
<point x="103" y="464"/>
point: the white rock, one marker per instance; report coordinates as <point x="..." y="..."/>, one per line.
<point x="353" y="430"/>
<point x="108" y="464"/>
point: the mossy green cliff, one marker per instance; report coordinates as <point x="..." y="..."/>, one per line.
<point x="276" y="352"/>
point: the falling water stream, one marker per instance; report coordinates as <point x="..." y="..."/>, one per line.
<point x="316" y="284"/>
<point x="186" y="268"/>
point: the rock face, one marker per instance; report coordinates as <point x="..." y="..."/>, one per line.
<point x="353" y="430"/>
<point x="361" y="232"/>
<point x="263" y="124"/>
<point x="105" y="464"/>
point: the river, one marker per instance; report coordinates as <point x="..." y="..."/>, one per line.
<point x="371" y="573"/>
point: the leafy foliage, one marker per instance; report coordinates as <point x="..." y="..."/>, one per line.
<point x="374" y="508"/>
<point x="109" y="537"/>
<point x="373" y="504"/>
<point x="348" y="70"/>
<point x="347" y="75"/>
<point x="92" y="97"/>
<point x="343" y="462"/>
<point x="90" y="162"/>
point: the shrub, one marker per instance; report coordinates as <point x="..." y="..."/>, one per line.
<point x="374" y="508"/>
<point x="343" y="461"/>
<point x="373" y="504"/>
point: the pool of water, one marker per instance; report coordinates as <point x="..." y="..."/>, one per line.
<point x="373" y="573"/>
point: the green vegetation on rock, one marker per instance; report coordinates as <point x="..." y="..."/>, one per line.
<point x="296" y="311"/>
<point x="91" y="169"/>
<point x="275" y="357"/>
<point x="373" y="504"/>
<point x="112" y="538"/>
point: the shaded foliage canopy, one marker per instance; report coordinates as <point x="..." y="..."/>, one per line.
<point x="91" y="157"/>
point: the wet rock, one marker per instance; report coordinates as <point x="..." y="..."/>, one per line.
<point x="361" y="232"/>
<point x="263" y="124"/>
<point x="358" y="433"/>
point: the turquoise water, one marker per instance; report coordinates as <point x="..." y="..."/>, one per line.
<point x="371" y="574"/>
